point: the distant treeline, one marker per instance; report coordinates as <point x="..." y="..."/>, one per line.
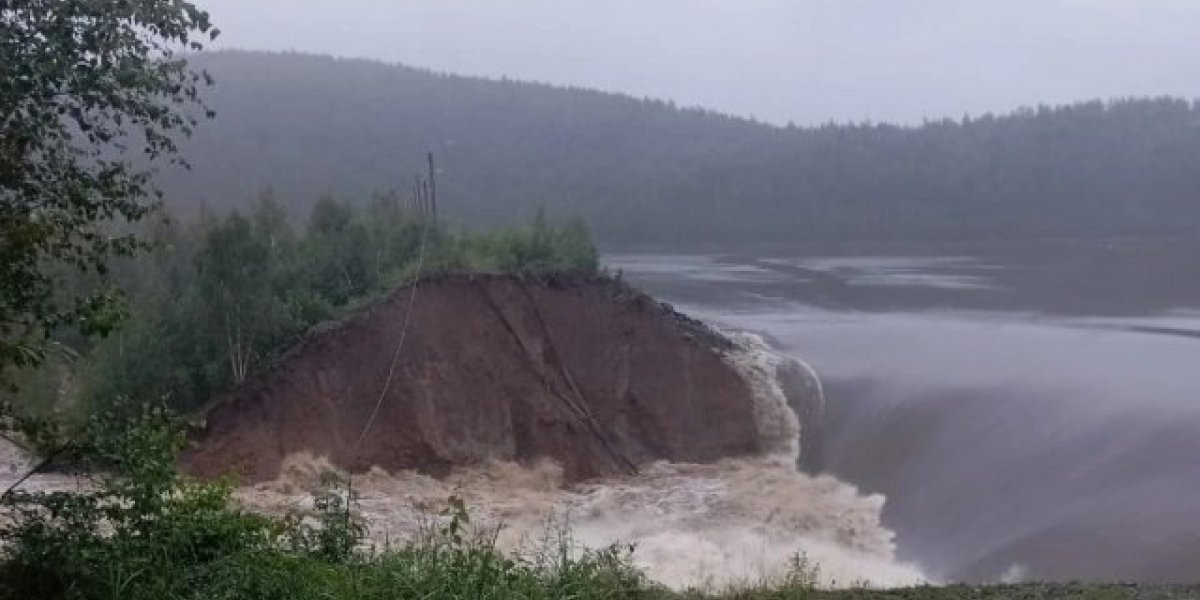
<point x="646" y="171"/>
<point x="222" y="294"/>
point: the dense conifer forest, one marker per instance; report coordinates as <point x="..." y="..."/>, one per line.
<point x="649" y="171"/>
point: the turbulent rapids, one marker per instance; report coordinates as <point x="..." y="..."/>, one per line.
<point x="740" y="520"/>
<point x="635" y="426"/>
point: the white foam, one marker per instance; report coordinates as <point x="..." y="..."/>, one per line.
<point x="778" y="425"/>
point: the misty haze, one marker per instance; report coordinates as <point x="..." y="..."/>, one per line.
<point x="543" y="299"/>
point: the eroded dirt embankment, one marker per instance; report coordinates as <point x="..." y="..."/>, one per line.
<point x="580" y="370"/>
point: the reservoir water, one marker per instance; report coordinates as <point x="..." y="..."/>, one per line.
<point x="1030" y="411"/>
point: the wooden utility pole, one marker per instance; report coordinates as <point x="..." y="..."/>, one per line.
<point x="424" y="198"/>
<point x="422" y="193"/>
<point x="432" y="187"/>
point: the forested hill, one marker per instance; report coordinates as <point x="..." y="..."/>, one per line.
<point x="643" y="171"/>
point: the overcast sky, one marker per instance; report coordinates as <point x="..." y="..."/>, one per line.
<point x="806" y="61"/>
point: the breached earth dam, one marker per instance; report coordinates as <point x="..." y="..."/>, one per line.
<point x="735" y="521"/>
<point x="580" y="407"/>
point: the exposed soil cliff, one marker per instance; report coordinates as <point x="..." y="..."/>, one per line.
<point x="580" y="370"/>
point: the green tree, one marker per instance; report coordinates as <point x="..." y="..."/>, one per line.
<point x="341" y="262"/>
<point x="92" y="95"/>
<point x="235" y="296"/>
<point x="271" y="220"/>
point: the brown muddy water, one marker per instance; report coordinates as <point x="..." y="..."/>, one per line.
<point x="738" y="522"/>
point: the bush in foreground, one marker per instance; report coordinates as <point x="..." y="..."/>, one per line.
<point x="143" y="531"/>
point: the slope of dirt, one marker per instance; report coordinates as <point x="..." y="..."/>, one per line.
<point x="580" y="370"/>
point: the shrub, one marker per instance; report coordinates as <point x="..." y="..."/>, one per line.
<point x="146" y="532"/>
<point x="135" y="533"/>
